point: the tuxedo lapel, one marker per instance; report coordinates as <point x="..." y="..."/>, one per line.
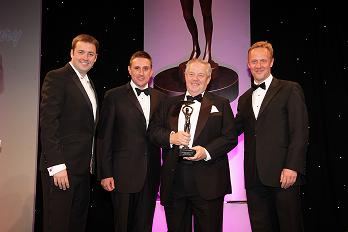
<point x="132" y="98"/>
<point x="78" y="83"/>
<point x="203" y="115"/>
<point x="271" y="92"/>
<point x="153" y="102"/>
<point x="249" y="107"/>
<point x="174" y="114"/>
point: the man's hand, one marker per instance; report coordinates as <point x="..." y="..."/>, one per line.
<point x="200" y="154"/>
<point x="61" y="180"/>
<point x="287" y="178"/>
<point x="180" y="138"/>
<point x="108" y="184"/>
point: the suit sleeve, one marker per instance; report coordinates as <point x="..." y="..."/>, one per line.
<point x="298" y="130"/>
<point x="52" y="100"/>
<point x="228" y="138"/>
<point x="239" y="119"/>
<point x="105" y="138"/>
<point x="158" y="131"/>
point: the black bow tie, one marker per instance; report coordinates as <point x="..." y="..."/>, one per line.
<point x="254" y="86"/>
<point x="145" y="91"/>
<point x="197" y="98"/>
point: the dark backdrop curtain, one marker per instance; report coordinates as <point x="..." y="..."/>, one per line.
<point x="311" y="44"/>
<point x="119" y="28"/>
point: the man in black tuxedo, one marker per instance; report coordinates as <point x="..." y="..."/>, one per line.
<point x="128" y="164"/>
<point x="273" y="116"/>
<point x="68" y="115"/>
<point x="195" y="185"/>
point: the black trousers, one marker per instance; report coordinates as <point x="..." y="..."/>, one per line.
<point x="65" y="210"/>
<point x="134" y="212"/>
<point x="275" y="209"/>
<point x="207" y="214"/>
<point x="185" y="202"/>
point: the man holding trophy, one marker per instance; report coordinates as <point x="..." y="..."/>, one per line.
<point x="195" y="131"/>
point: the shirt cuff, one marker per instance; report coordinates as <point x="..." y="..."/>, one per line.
<point x="55" y="169"/>
<point x="170" y="144"/>
<point x="208" y="155"/>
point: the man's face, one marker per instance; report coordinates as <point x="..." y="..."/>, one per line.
<point x="140" y="71"/>
<point x="260" y="63"/>
<point x="196" y="78"/>
<point x="83" y="57"/>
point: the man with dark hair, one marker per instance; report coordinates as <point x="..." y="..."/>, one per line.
<point x="68" y="116"/>
<point x="128" y="163"/>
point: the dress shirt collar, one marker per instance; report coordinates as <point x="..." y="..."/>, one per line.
<point x="133" y="85"/>
<point x="267" y="82"/>
<point x="79" y="74"/>
<point x="187" y="93"/>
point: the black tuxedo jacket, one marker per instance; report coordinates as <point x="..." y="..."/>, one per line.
<point x="278" y="138"/>
<point x="215" y="132"/>
<point x="66" y="121"/>
<point x="124" y="151"/>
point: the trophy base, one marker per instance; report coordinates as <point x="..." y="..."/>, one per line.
<point x="186" y="152"/>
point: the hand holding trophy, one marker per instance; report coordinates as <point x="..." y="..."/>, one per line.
<point x="185" y="151"/>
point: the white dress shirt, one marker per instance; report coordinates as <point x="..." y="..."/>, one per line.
<point x="144" y="101"/>
<point x="259" y="94"/>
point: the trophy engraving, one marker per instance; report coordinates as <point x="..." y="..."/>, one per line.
<point x="185" y="151"/>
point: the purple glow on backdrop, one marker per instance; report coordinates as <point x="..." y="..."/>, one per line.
<point x="236" y="218"/>
<point x="168" y="40"/>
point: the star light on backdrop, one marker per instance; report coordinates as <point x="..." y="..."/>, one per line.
<point x="120" y="33"/>
<point x="310" y="41"/>
<point x="118" y="29"/>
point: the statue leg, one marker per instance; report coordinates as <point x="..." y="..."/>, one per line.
<point x="208" y="30"/>
<point x="187" y="9"/>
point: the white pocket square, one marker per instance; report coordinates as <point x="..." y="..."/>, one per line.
<point x="214" y="109"/>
